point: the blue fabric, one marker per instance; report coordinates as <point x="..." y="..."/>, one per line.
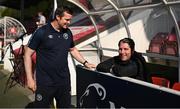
<point x="52" y="49"/>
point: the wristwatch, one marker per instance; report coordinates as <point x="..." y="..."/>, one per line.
<point x="85" y="62"/>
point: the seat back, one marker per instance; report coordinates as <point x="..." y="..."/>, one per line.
<point x="176" y="86"/>
<point x="171" y="37"/>
<point x="170" y="48"/>
<point x="155" y="47"/>
<point x="160" y="81"/>
<point x="156" y="44"/>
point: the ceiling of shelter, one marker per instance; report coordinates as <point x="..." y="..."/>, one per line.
<point x="16" y="4"/>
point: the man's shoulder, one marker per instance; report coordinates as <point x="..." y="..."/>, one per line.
<point x="138" y="56"/>
<point x="44" y="28"/>
<point x="40" y="32"/>
<point x="67" y="30"/>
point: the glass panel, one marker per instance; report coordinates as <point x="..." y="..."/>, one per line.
<point x="137" y="21"/>
<point x="172" y="0"/>
<point x="99" y="5"/>
<point x="112" y="31"/>
<point x="108" y="20"/>
<point x="173" y="38"/>
<point x="159" y="21"/>
<point x="125" y="3"/>
<point x="147" y="24"/>
<point x="144" y="25"/>
<point x="176" y="11"/>
<point x="158" y="26"/>
<point x="86" y="4"/>
<point x="151" y="27"/>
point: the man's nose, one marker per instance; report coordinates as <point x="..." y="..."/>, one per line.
<point x="122" y="51"/>
<point x="68" y="21"/>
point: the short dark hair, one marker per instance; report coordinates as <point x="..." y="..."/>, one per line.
<point x="60" y="11"/>
<point x="129" y="41"/>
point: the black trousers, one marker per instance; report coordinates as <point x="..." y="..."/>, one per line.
<point x="44" y="96"/>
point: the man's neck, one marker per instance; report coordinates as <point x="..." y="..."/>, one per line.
<point x="56" y="26"/>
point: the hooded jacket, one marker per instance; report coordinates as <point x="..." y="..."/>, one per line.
<point x="134" y="68"/>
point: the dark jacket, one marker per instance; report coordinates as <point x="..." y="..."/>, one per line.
<point x="134" y="68"/>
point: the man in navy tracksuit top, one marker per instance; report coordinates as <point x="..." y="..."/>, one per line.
<point x="52" y="42"/>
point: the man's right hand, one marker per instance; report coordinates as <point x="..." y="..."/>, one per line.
<point x="31" y="84"/>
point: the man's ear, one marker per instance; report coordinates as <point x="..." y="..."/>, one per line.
<point x="56" y="17"/>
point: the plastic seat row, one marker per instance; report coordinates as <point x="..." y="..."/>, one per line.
<point x="164" y="43"/>
<point x="165" y="82"/>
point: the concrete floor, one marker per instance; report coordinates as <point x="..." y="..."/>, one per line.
<point x="17" y="96"/>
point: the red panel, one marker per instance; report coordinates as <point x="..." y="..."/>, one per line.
<point x="160" y="81"/>
<point x="176" y="86"/>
